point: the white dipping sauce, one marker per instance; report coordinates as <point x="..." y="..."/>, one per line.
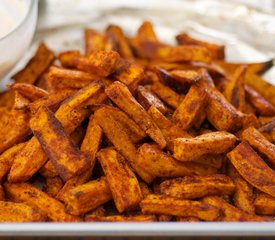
<point x="12" y="12"/>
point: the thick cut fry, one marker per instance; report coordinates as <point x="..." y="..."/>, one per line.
<point x="129" y="72"/>
<point x="243" y="195"/>
<point x="185" y="76"/>
<point x="119" y="218"/>
<point x="191" y="107"/>
<point x="234" y="89"/>
<point x="88" y="196"/>
<point x="29" y="91"/>
<point x="253" y="168"/>
<point x="53" y="186"/>
<point x="220" y="113"/>
<point x="260" y="143"/>
<point x="190" y="149"/>
<point x="160" y="164"/>
<point x="66" y="58"/>
<point x="99" y="63"/>
<point x="60" y="78"/>
<point x="7" y="157"/>
<point x="36" y="66"/>
<point x="157" y="204"/>
<point x="122" y="181"/>
<point x="121" y="95"/>
<point x="16" y="130"/>
<point x="231" y="213"/>
<point x="166" y="94"/>
<point x="264" y="204"/>
<point x="48" y="170"/>
<point x="120" y="139"/>
<point x="217" y="51"/>
<point x="20" y="101"/>
<point x="20" y="212"/>
<point x="262" y="106"/>
<point x="191" y="187"/>
<point x="146" y="32"/>
<point x="32" y="196"/>
<point x="115" y="35"/>
<point x="67" y="158"/>
<point x="146" y="98"/>
<point x="269" y="130"/>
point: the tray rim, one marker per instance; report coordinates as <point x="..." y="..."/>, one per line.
<point x="139" y="229"/>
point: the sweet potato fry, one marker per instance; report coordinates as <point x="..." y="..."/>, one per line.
<point x="48" y="170"/>
<point x="185" y="76"/>
<point x="262" y="106"/>
<point x="67" y="158"/>
<point x="120" y="139"/>
<point x="253" y="168"/>
<point x="212" y="160"/>
<point x="100" y="63"/>
<point x="53" y="186"/>
<point x="99" y="211"/>
<point x="60" y="78"/>
<point x="119" y="218"/>
<point x="66" y="58"/>
<point x="146" y="32"/>
<point x="264" y="204"/>
<point x="190" y="149"/>
<point x="20" y="212"/>
<point x="191" y="187"/>
<point x="88" y="196"/>
<point x="191" y="107"/>
<point x="121" y="95"/>
<point x="146" y="98"/>
<point x="234" y="90"/>
<point x="158" y="204"/>
<point x="20" y="101"/>
<point x="32" y="196"/>
<point x="36" y="66"/>
<point x="231" y="213"/>
<point x="160" y="164"/>
<point x="269" y="130"/>
<point x="243" y="195"/>
<point x="122" y="181"/>
<point x="29" y="91"/>
<point x="260" y="143"/>
<point x="217" y="50"/>
<point x="166" y="94"/>
<point x="115" y="35"/>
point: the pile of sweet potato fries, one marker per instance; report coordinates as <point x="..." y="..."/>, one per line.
<point x="134" y="129"/>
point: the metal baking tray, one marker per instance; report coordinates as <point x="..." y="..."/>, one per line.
<point x="241" y="28"/>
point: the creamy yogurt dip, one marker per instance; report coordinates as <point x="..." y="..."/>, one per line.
<point x="12" y="12"/>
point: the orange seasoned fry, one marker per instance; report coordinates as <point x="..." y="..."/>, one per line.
<point x="217" y="51"/>
<point x="260" y="143"/>
<point x="48" y="170"/>
<point x="146" y="32"/>
<point x="20" y="101"/>
<point x="243" y="196"/>
<point x="88" y="196"/>
<point x="122" y="181"/>
<point x="146" y="98"/>
<point x="185" y="76"/>
<point x="157" y="204"/>
<point x="60" y="78"/>
<point x="160" y="164"/>
<point x="53" y="186"/>
<point x="100" y="63"/>
<point x="7" y="157"/>
<point x="166" y="94"/>
<point x="213" y="160"/>
<point x="191" y="107"/>
<point x="234" y="89"/>
<point x="29" y="91"/>
<point x="121" y="95"/>
<point x="231" y="213"/>
<point x="99" y="211"/>
<point x="253" y="168"/>
<point x="115" y="34"/>
<point x="20" y="212"/>
<point x="269" y="130"/>
<point x="36" y="66"/>
<point x="119" y="218"/>
<point x="32" y="196"/>
<point x="264" y="204"/>
<point x="66" y="58"/>
<point x="67" y="158"/>
<point x="190" y="149"/>
<point x="259" y="102"/>
<point x="191" y="187"/>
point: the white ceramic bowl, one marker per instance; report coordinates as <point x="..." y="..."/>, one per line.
<point x="14" y="44"/>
